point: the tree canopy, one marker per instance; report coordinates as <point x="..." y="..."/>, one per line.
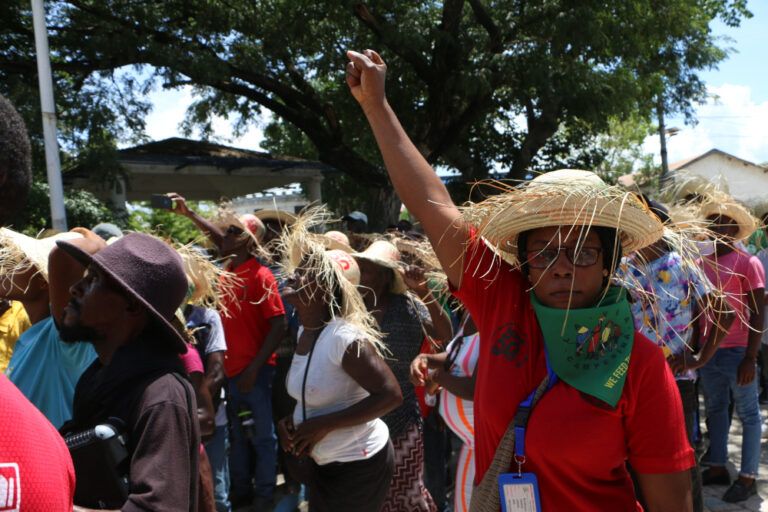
<point x="511" y="85"/>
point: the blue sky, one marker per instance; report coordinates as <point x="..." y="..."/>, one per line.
<point x="734" y="120"/>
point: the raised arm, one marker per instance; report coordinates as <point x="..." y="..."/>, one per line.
<point x="211" y="230"/>
<point x="417" y="184"/>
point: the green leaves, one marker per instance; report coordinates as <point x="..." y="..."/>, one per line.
<point x="509" y="85"/>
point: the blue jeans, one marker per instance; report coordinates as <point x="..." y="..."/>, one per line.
<point x="217" y="449"/>
<point x="256" y="456"/>
<point x="718" y="379"/>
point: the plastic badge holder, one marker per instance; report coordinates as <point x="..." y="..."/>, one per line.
<point x="519" y="492"/>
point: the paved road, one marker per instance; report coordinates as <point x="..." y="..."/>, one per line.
<point x="759" y="503"/>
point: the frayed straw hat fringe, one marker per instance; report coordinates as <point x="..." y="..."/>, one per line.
<point x="283" y="217"/>
<point x="212" y="286"/>
<point x="567" y="197"/>
<point x="301" y="248"/>
<point x="385" y="254"/>
<point x="728" y="207"/>
<point x="18" y="251"/>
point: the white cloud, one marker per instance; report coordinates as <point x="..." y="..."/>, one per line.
<point x="169" y="107"/>
<point x="730" y="121"/>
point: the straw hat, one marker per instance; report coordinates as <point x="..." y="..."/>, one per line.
<point x="567" y="197"/>
<point x="728" y="207"/>
<point x="385" y="254"/>
<point x="345" y="264"/>
<point x="336" y="240"/>
<point x="283" y="217"/>
<point x="18" y="251"/>
<point x="209" y="283"/>
<point x="332" y="269"/>
<point x="249" y="223"/>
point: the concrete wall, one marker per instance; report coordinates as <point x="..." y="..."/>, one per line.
<point x="747" y="183"/>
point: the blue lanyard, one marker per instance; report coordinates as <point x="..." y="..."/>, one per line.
<point x="523" y="414"/>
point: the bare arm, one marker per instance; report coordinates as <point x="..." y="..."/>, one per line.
<point x="723" y="318"/>
<point x="746" y="372"/>
<point x="462" y="387"/>
<point x="205" y="411"/>
<point x="420" y="189"/>
<point x="439" y="327"/>
<point x="667" y="492"/>
<point x="372" y="373"/>
<point x="722" y="322"/>
<point x="214" y="234"/>
<point x="214" y="373"/>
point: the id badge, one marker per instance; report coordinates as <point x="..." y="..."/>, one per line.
<point x="519" y="492"/>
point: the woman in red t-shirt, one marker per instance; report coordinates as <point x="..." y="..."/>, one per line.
<point x="533" y="266"/>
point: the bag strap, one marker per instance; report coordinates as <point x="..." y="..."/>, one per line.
<point x="304" y="380"/>
<point x="485" y="496"/>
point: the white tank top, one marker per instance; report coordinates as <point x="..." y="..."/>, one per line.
<point x="330" y="389"/>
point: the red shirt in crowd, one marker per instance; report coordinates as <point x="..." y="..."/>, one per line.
<point x="576" y="445"/>
<point x="36" y="471"/>
<point x="257" y="300"/>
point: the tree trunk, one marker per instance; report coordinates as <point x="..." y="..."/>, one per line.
<point x="383" y="208"/>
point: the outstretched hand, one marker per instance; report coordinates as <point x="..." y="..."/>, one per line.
<point x="366" y="73"/>
<point x="179" y="204"/>
<point x="415" y="279"/>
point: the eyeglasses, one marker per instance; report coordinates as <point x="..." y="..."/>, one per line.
<point x="234" y="230"/>
<point x="581" y="256"/>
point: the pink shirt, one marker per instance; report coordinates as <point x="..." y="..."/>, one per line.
<point x="191" y="361"/>
<point x="737" y="273"/>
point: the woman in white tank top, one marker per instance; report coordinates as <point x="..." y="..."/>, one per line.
<point x="340" y="381"/>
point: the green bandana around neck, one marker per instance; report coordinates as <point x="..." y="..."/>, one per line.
<point x="589" y="348"/>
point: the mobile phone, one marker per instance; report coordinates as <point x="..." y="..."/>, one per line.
<point x="161" y="201"/>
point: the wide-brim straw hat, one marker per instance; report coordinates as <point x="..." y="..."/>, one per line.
<point x="249" y="223"/>
<point x="346" y="265"/>
<point x="209" y="283"/>
<point x="18" y="250"/>
<point x="150" y="271"/>
<point x="728" y="207"/>
<point x="386" y="255"/>
<point x="336" y="240"/>
<point x="568" y="197"/>
<point x="283" y="217"/>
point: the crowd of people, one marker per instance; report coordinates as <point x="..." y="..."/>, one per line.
<point x="544" y="348"/>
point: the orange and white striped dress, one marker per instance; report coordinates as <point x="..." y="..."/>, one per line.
<point x="458" y="415"/>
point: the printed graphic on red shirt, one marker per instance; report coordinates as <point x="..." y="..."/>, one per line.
<point x="10" y="487"/>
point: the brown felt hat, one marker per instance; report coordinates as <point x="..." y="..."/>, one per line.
<point x="148" y="270"/>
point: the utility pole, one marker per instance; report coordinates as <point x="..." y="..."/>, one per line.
<point x="663" y="142"/>
<point x="52" y="163"/>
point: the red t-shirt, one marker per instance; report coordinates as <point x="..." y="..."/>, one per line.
<point x="257" y="300"/>
<point x="36" y="471"/>
<point x="576" y="446"/>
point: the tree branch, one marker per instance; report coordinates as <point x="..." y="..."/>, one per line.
<point x="495" y="44"/>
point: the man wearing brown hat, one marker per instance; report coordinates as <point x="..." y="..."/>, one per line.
<point x="124" y="306"/>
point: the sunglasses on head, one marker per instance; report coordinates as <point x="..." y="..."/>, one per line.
<point x="580" y="257"/>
